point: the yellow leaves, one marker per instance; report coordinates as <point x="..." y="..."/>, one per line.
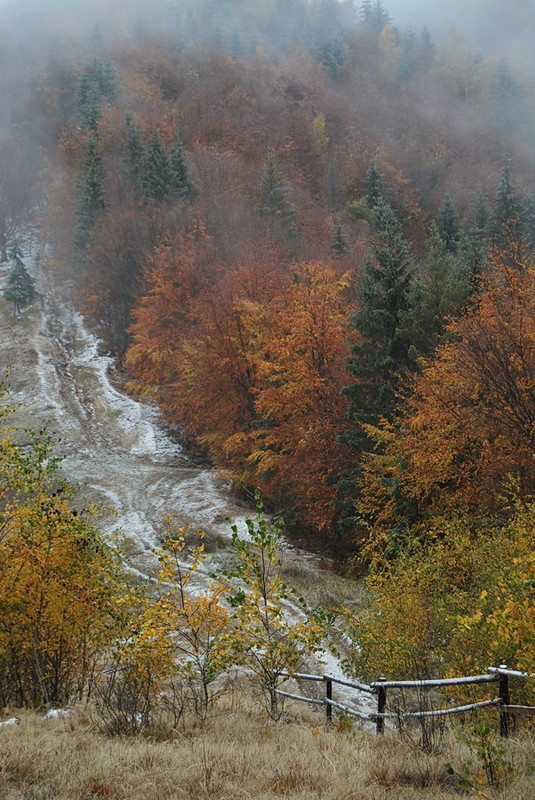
<point x="60" y="583"/>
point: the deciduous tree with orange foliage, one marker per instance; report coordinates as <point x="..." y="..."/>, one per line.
<point x="468" y="426"/>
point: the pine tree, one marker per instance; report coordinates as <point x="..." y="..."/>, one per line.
<point x="181" y="185"/>
<point x="334" y="55"/>
<point x="448" y="226"/>
<point x="273" y="205"/>
<point x="21" y="285"/>
<point x="157" y="175"/>
<point x="92" y="195"/>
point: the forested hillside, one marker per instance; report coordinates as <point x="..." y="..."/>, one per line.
<point x="308" y="232"/>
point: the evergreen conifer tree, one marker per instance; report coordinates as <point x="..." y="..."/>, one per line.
<point x="448" y="226"/>
<point x="91" y="197"/>
<point x="136" y="151"/>
<point x="438" y="292"/>
<point x="157" y="174"/>
<point x="273" y="205"/>
<point x="409" y="56"/>
<point x="375" y="193"/>
<point x="383" y="358"/>
<point x="181" y="185"/>
<point x="21" y="286"/>
<point x="427" y="49"/>
<point x="379" y="362"/>
<point x="339" y="245"/>
<point x="507" y="223"/>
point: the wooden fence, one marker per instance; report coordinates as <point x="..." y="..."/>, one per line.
<point x="379" y="689"/>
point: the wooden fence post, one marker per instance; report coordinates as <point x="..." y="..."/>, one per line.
<point x="381" y="705"/>
<point x="504" y="697"/>
<point x="329" y="696"/>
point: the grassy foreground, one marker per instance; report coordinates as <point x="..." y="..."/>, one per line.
<point x="238" y="755"/>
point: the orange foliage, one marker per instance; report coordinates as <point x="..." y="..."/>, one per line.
<point x="253" y="368"/>
<point x="468" y="428"/>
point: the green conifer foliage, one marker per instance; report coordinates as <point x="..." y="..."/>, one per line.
<point x="448" y="227"/>
<point x="21" y="286"/>
<point x="273" y="206"/>
<point x="157" y="183"/>
<point x="96" y="83"/>
<point x="136" y="151"/>
<point x="181" y="186"/>
<point x="507" y="223"/>
<point x="438" y="292"/>
<point x="375" y="192"/>
<point x="91" y="196"/>
<point x="339" y="245"/>
<point x="380" y="361"/>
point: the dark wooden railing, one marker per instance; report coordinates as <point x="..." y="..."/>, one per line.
<point x="379" y="689"/>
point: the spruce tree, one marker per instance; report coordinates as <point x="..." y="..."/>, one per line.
<point x="473" y="243"/>
<point x="157" y="174"/>
<point x="21" y="286"/>
<point x="448" y="226"/>
<point x="409" y="56"/>
<point x="438" y="292"/>
<point x="375" y="193"/>
<point x="273" y="205"/>
<point x="181" y="186"/>
<point x="91" y="195"/>
<point x="339" y="245"/>
<point x="380" y="361"/>
<point x="136" y="151"/>
<point x="507" y="223"/>
<point x="427" y="49"/>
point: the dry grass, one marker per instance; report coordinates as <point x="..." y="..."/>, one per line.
<point x="234" y="755"/>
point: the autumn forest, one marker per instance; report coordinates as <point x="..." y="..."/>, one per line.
<point x="307" y="232"/>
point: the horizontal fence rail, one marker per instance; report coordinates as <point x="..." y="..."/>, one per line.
<point x="499" y="675"/>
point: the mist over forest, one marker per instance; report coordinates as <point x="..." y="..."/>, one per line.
<point x="305" y="229"/>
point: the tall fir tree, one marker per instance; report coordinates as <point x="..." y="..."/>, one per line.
<point x="380" y="361"/>
<point x="507" y="224"/>
<point x="21" y="285"/>
<point x="273" y="205"/>
<point x="339" y="244"/>
<point x="439" y="290"/>
<point x="157" y="183"/>
<point x="135" y="150"/>
<point x="91" y="195"/>
<point x="448" y="226"/>
<point x="181" y="185"/>
<point x="375" y="191"/>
